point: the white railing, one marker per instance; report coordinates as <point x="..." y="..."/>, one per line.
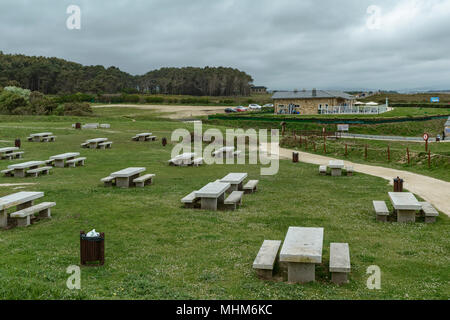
<point x="358" y="109"/>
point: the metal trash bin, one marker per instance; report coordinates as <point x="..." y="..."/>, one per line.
<point x="17" y="143"/>
<point x="398" y="185"/>
<point x="77" y="125"/>
<point x="295" y="157"/>
<point x="92" y="250"/>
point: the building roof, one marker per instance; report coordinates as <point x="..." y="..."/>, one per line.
<point x="308" y="94"/>
<point x="258" y="87"/>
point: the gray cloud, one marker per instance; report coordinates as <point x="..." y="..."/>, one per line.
<point x="283" y="44"/>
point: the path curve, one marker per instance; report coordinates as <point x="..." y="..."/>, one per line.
<point x="432" y="190"/>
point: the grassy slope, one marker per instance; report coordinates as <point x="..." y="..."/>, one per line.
<point x="156" y="249"/>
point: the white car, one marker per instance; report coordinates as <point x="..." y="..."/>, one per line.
<point x="254" y="106"/>
<point x="269" y="105"/>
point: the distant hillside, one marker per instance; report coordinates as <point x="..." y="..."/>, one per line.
<point x="56" y="76"/>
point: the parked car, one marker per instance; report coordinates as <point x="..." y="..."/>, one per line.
<point x="254" y="106"/>
<point x="241" y="109"/>
<point x="230" y="110"/>
<point x="268" y="105"/>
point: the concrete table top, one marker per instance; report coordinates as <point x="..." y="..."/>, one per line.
<point x="65" y="155"/>
<point x="234" y="178"/>
<point x="302" y="245"/>
<point x="144" y="134"/>
<point x="128" y="172"/>
<point x="96" y="140"/>
<point x="15" y="199"/>
<point x="212" y="190"/>
<point x="404" y="201"/>
<point x="8" y="149"/>
<point x="336" y="164"/>
<point x="25" y="165"/>
<point x="42" y="134"/>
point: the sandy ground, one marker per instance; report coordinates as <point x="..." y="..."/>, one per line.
<point x="173" y="111"/>
<point x="432" y="190"/>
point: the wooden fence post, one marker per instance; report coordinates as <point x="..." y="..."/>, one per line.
<point x="389" y="153"/>
<point x="429" y="158"/>
<point x="407" y="153"/>
<point x="365" y="151"/>
<point x="346" y="150"/>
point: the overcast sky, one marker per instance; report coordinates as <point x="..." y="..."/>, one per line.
<point x="282" y="44"/>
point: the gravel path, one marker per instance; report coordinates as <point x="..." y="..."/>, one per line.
<point x="430" y="189"/>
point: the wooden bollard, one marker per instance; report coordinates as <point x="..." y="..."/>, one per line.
<point x="429" y="158"/>
<point x="389" y="153"/>
<point x="365" y="151"/>
<point x="346" y="150"/>
<point x="407" y="154"/>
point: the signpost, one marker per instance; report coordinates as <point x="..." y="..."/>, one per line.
<point x="426" y="136"/>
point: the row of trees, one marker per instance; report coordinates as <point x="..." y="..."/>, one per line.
<point x="58" y="76"/>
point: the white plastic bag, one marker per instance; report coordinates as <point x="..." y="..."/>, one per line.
<point x="92" y="234"/>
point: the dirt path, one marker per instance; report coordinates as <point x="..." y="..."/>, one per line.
<point x="432" y="190"/>
<point x="173" y="111"/>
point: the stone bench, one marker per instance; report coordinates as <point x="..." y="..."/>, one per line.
<point x="190" y="201"/>
<point x="381" y="210"/>
<point x="266" y="259"/>
<point x="105" y="145"/>
<point x="349" y="170"/>
<point x="233" y="200"/>
<point x="108" y="181"/>
<point x="50" y="162"/>
<point x="8" y="172"/>
<point x="144" y="180"/>
<point x="48" y="139"/>
<point x="14" y="155"/>
<point x="237" y="153"/>
<point x="23" y="216"/>
<point x="429" y="212"/>
<point x="85" y="145"/>
<point x="323" y="170"/>
<point x="150" y="138"/>
<point x="30" y="139"/>
<point x="37" y="171"/>
<point x="77" y="161"/>
<point x="339" y="262"/>
<point x="250" y="186"/>
<point x="197" y="162"/>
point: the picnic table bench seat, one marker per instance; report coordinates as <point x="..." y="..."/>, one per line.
<point x="190" y="201"/>
<point x="381" y="210"/>
<point x="108" y="181"/>
<point x="105" y="145"/>
<point x="349" y="170"/>
<point x="23" y="216"/>
<point x="233" y="200"/>
<point x="339" y="262"/>
<point x="250" y="186"/>
<point x="144" y="180"/>
<point x="48" y="139"/>
<point x="323" y="170"/>
<point x="151" y="138"/>
<point x="429" y="212"/>
<point x="197" y="162"/>
<point x="73" y="163"/>
<point x="40" y="170"/>
<point x="266" y="259"/>
<point x="29" y="139"/>
<point x="84" y="145"/>
<point x="50" y="162"/>
<point x="13" y="155"/>
<point x="8" y="172"/>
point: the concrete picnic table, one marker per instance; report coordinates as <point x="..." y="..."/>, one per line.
<point x="19" y="168"/>
<point x="93" y="143"/>
<point x="336" y="167"/>
<point x="406" y="205"/>
<point x="60" y="159"/>
<point x="5" y="151"/>
<point x="143" y="136"/>
<point x="235" y="179"/>
<point x="37" y="137"/>
<point x="21" y="200"/>
<point x="302" y="249"/>
<point x="125" y="177"/>
<point x="212" y="194"/>
<point x="183" y="159"/>
<point x="224" y="152"/>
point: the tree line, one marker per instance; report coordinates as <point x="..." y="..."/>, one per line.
<point x="58" y="76"/>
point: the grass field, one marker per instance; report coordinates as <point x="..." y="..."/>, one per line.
<point x="155" y="249"/>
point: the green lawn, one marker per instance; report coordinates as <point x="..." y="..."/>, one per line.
<point x="155" y="249"/>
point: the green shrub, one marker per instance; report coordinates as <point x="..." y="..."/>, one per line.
<point x="11" y="100"/>
<point x="77" y="109"/>
<point x="133" y="98"/>
<point x="77" y="97"/>
<point x="154" y="99"/>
